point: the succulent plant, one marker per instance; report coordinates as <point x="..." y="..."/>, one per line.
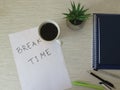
<point x="77" y="14"/>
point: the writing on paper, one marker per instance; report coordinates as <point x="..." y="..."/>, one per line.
<point x="42" y="55"/>
<point x="27" y="46"/>
<point x="30" y="45"/>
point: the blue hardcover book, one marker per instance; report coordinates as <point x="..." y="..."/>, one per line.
<point x="106" y="41"/>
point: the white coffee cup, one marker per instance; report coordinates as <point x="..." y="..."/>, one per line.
<point x="49" y="30"/>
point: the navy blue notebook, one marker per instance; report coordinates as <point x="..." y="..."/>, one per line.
<point x="106" y="41"/>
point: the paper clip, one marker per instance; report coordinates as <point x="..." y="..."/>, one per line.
<point x="88" y="85"/>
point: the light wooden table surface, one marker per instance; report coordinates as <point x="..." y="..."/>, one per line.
<point x="18" y="15"/>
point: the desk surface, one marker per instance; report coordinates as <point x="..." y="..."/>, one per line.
<point x="18" y="15"/>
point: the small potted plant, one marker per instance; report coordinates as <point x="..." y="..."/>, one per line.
<point x="76" y="16"/>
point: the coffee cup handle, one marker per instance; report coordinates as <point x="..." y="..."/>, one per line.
<point x="59" y="41"/>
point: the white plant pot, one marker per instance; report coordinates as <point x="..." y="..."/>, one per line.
<point x="74" y="27"/>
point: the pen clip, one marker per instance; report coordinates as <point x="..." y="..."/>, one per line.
<point x="108" y="83"/>
<point x="105" y="85"/>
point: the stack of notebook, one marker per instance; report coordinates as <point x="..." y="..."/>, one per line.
<point x="106" y="41"/>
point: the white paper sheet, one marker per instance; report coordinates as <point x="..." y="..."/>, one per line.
<point x="40" y="65"/>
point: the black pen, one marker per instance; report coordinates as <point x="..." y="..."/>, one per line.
<point x="105" y="81"/>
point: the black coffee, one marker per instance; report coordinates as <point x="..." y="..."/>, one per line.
<point x="48" y="31"/>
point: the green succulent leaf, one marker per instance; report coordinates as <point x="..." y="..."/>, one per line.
<point x="70" y="11"/>
<point x="82" y="8"/>
<point x="73" y="6"/>
<point x="78" y="7"/>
